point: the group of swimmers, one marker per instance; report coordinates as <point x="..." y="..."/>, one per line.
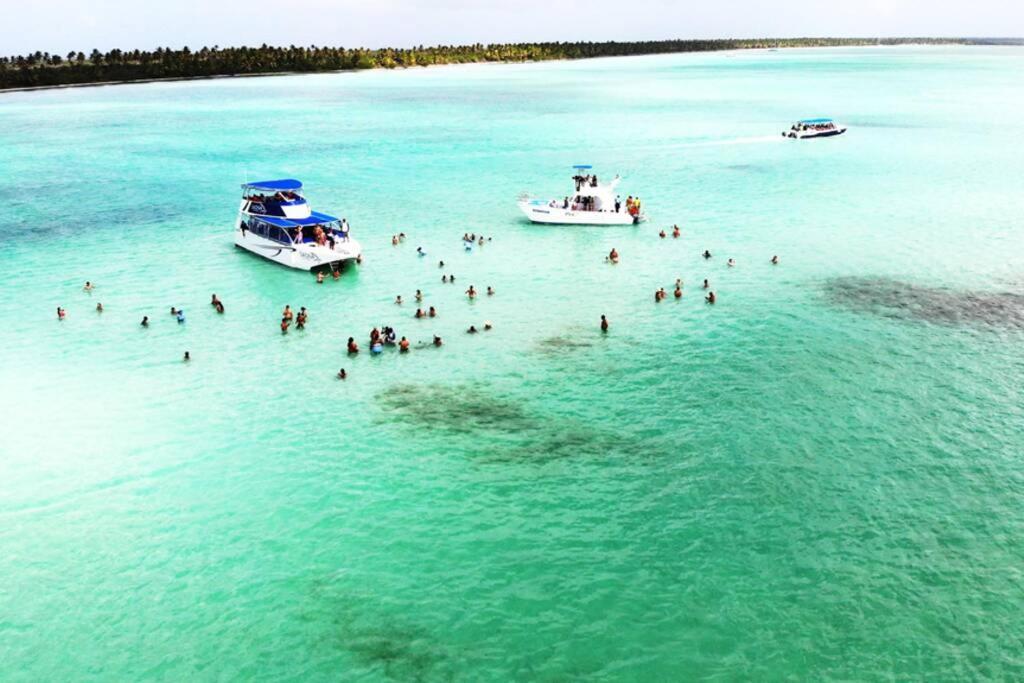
<point x="300" y="319"/>
<point x="675" y="232"/>
<point x="396" y="239"/>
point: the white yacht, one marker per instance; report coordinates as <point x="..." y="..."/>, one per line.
<point x="814" y="128"/>
<point x="276" y="222"/>
<point x="590" y="203"/>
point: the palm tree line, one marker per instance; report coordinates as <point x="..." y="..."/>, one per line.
<point x="47" y="69"/>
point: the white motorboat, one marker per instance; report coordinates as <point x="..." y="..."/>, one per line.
<point x="591" y="203"/>
<point x="276" y="222"/>
<point x="814" y="128"/>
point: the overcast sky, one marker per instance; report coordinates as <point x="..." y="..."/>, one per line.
<point x="63" y="25"/>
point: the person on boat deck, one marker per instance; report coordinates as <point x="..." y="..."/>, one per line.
<point x="344" y="226"/>
<point x="618" y="203"/>
<point x="565" y="204"/>
<point x="593" y="181"/>
<point x="297" y="235"/>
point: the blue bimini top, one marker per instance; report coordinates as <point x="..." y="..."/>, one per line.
<point x="275" y="185"/>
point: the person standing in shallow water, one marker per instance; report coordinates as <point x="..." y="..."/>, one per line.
<point x="604" y="324"/>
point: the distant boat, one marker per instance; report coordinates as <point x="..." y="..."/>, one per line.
<point x="276" y="222"/>
<point x="814" y="128"/>
<point x="590" y="203"/>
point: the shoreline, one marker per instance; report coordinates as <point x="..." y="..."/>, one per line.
<point x="262" y="74"/>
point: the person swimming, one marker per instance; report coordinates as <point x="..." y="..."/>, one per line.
<point x="775" y="260"/>
<point x="679" y="283"/>
<point x="320" y="278"/>
<point x="613" y="256"/>
<point x="471" y="293"/>
<point x="437" y="341"/>
<point x="488" y="325"/>
<point x="604" y="323"/>
<point x="214" y="300"/>
<point x="145" y="321"/>
<point x="675" y="231"/>
<point x="706" y="254"/>
<point x="490" y="291"/>
<point x="181" y="315"/>
<point x="678" y="293"/>
<point x="432" y="313"/>
<point x="219" y="307"/>
<point x="336" y="273"/>
<point x="472" y="329"/>
<point x="61" y="313"/>
<point x="174" y="311"/>
<point x="352" y="346"/>
<point x="187" y="357"/>
<point x="440" y="264"/>
<point x="444" y="279"/>
<point x="99" y="307"/>
<point x="403" y="345"/>
<point x="88" y="286"/>
<point x="731" y="263"/>
<point x="710" y="298"/>
<point x="419" y="295"/>
<point x="398" y="299"/>
<point x="662" y="234"/>
<point x="420" y="252"/>
<point x="342" y="374"/>
<point x="705" y="283"/>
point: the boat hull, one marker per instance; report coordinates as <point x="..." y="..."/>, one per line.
<point x="539" y="212"/>
<point x="805" y="135"/>
<point x="301" y="257"/>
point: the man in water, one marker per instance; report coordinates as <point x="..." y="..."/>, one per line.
<point x="710" y="298"/>
<point x="706" y="254"/>
<point x="604" y="323"/>
<point x="145" y="321"/>
<point x="187" y="357"/>
<point x="403" y="345"/>
<point x="88" y="286"/>
<point x="472" y="329"/>
<point x="342" y="374"/>
<point x="437" y="340"/>
<point x="352" y="346"/>
<point x="775" y="260"/>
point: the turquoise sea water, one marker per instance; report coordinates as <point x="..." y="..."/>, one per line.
<point x="820" y="477"/>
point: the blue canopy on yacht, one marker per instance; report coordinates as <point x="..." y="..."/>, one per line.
<point x="583" y="167"/>
<point x="277" y="220"/>
<point x="814" y="121"/>
<point x="275" y="185"/>
<point x="315" y="218"/>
